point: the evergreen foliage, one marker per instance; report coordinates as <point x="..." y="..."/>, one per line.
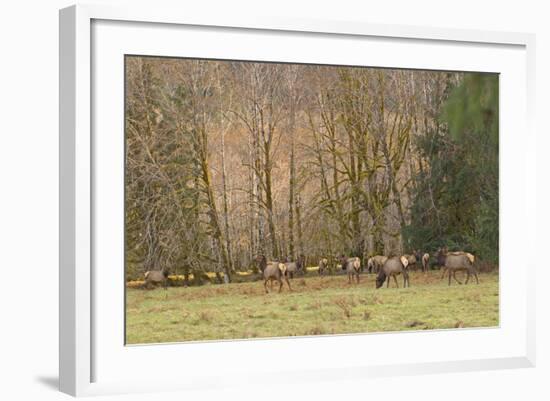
<point x="456" y="199"/>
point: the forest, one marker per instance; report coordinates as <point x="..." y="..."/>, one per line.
<point x="228" y="160"/>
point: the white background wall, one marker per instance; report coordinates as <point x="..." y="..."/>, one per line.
<point x="29" y="196"/>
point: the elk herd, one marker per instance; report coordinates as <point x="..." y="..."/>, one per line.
<point x="385" y="267"/>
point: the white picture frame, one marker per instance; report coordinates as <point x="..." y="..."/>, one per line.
<point x="93" y="357"/>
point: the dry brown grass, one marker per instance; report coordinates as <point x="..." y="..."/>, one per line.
<point x="315" y="305"/>
<point x="206" y="316"/>
<point x="317" y="329"/>
<point x="344" y="304"/>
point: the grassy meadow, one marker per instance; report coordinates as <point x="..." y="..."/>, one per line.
<point x="316" y="305"/>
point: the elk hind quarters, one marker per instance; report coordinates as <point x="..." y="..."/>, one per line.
<point x="282" y="268"/>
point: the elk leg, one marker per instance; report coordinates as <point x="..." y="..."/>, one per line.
<point x="475" y="274"/>
<point x="444" y="271"/>
<point x="454" y="276"/>
<point x="357" y="276"/>
<point x="449" y="277"/>
<point x="281" y="284"/>
<point x="467" y="277"/>
<point x="265" y="286"/>
<point x="388" y="286"/>
<point x="288" y="283"/>
<point x="395" y="279"/>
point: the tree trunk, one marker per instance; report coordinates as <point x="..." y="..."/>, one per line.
<point x="214" y="222"/>
<point x="292" y="180"/>
<point x="224" y="185"/>
<point x="269" y="208"/>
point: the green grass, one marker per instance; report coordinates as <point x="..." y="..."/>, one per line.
<point x="316" y="305"/>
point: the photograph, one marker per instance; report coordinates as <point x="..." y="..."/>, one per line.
<point x="270" y="199"/>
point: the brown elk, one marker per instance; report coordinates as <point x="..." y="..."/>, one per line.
<point x="297" y="267"/>
<point x="412" y="259"/>
<point x="153" y="277"/>
<point x="291" y="268"/>
<point x="425" y="262"/>
<point x="452" y="262"/>
<point x="352" y="266"/>
<point x="275" y="271"/>
<point x="391" y="268"/>
<point x="375" y="263"/>
<point x="323" y="266"/>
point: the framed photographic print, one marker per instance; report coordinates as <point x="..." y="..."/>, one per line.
<point x="290" y="199"/>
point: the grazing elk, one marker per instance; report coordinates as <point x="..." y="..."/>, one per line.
<point x="275" y="271"/>
<point x="391" y="268"/>
<point x="375" y="263"/>
<point x="452" y="262"/>
<point x="323" y="266"/>
<point x="153" y="277"/>
<point x="352" y="267"/>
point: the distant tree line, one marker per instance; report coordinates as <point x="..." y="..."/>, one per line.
<point x="226" y="161"/>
